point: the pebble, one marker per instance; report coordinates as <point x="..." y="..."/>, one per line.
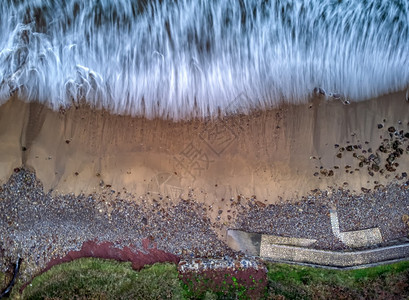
<point x="382" y="207"/>
<point x="34" y="218"/>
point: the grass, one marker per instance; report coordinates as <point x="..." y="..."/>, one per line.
<point x="213" y="286"/>
<point x="299" y="282"/>
<point x="2" y="277"/>
<point x="3" y="282"/>
<point x="91" y="278"/>
<point x="105" y="279"/>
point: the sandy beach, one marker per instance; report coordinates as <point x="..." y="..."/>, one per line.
<point x="81" y="175"/>
<point x="269" y="155"/>
<point x="272" y="156"/>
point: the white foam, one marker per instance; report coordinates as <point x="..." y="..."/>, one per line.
<point x="176" y="60"/>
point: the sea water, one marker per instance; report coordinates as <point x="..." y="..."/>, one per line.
<point x="193" y="58"/>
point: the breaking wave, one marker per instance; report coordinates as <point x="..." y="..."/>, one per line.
<point x="178" y="59"/>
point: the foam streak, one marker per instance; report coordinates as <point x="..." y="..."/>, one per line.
<point x="178" y="59"/>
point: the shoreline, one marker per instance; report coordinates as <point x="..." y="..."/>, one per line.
<point x="43" y="228"/>
<point x="272" y="155"/>
<point x="123" y="180"/>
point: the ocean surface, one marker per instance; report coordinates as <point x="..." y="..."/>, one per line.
<point x="192" y="58"/>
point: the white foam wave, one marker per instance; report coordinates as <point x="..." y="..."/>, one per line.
<point x="178" y="59"/>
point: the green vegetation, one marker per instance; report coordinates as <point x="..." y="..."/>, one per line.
<point x="91" y="278"/>
<point x="218" y="286"/>
<point x="298" y="282"/>
<point x="3" y="282"/>
<point x="5" y="279"/>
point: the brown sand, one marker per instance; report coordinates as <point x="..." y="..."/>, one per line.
<point x="271" y="155"/>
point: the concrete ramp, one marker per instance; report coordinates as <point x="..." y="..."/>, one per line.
<point x="248" y="243"/>
<point x="295" y="250"/>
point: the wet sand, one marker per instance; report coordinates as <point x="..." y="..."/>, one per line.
<point x="270" y="155"/>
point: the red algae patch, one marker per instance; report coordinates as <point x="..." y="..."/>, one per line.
<point x="236" y="278"/>
<point x="148" y="255"/>
<point x="107" y="250"/>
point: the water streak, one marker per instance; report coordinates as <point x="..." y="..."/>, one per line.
<point x="178" y="59"/>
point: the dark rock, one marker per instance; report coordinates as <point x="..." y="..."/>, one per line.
<point x="380" y="126"/>
<point x="391" y="158"/>
<point x="389" y="168"/>
<point x="391" y="129"/>
<point x="375" y="167"/>
<point x="324" y="172"/>
<point x="349" y="148"/>
<point x="319" y="91"/>
<point x="339" y="155"/>
<point x="395" y="145"/>
<point x="258" y="203"/>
